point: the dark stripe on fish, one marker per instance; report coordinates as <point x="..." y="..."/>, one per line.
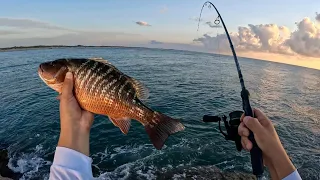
<point x="83" y="76"/>
<point x="116" y="87"/>
<point x="92" y="77"/>
<point x="82" y="67"/>
<point x="97" y="81"/>
<point x="121" y="91"/>
<point x="102" y="73"/>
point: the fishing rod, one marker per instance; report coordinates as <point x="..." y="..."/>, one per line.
<point x="232" y="125"/>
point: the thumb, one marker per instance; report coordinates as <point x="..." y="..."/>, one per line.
<point x="253" y="124"/>
<point x="67" y="87"/>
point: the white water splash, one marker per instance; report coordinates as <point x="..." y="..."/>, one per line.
<point x="29" y="163"/>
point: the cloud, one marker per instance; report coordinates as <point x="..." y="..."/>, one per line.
<point x="77" y="38"/>
<point x="306" y="40"/>
<point x="35" y="32"/>
<point x="27" y="24"/>
<point x="213" y="25"/>
<point x="155" y="42"/>
<point x="318" y="17"/>
<point x="142" y="23"/>
<point x="269" y="38"/>
<point x="7" y="32"/>
<point x="164" y="9"/>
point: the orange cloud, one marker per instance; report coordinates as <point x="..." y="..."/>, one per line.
<point x="270" y="38"/>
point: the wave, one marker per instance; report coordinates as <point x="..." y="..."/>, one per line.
<point x="29" y="164"/>
<point x="143" y="167"/>
<point x="137" y="167"/>
<point x="137" y="162"/>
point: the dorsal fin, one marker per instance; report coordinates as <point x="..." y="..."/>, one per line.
<point x="141" y="90"/>
<point x="100" y="59"/>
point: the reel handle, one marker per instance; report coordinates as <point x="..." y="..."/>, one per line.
<point x="255" y="152"/>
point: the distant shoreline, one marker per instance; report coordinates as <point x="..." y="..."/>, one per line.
<point x="16" y="48"/>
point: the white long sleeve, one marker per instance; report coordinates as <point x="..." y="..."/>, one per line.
<point x="70" y="164"/>
<point x="293" y="176"/>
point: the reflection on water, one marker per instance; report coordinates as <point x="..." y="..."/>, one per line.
<point x="271" y="83"/>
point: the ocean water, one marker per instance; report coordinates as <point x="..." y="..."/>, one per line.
<point x="185" y="85"/>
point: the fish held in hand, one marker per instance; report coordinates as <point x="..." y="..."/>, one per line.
<point x="102" y="89"/>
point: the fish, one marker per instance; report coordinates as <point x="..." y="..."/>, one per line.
<point x="103" y="89"/>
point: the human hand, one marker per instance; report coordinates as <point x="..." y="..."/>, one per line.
<point x="75" y="122"/>
<point x="274" y="155"/>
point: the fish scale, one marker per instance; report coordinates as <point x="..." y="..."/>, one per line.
<point x="102" y="89"/>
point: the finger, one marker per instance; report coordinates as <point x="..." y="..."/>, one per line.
<point x="242" y="130"/>
<point x="263" y="119"/>
<point x="243" y="145"/>
<point x="247" y="143"/>
<point x="253" y="124"/>
<point x="67" y="87"/>
<point x="242" y="116"/>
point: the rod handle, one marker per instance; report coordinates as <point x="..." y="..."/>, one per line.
<point x="256" y="157"/>
<point x="255" y="152"/>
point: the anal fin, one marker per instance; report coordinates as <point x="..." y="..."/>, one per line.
<point x="123" y="123"/>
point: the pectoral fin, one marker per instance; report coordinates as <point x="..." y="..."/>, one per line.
<point x="123" y="123"/>
<point x="142" y="91"/>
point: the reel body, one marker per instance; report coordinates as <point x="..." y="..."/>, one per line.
<point x="231" y="126"/>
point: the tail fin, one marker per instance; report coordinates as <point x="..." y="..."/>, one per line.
<point x="161" y="127"/>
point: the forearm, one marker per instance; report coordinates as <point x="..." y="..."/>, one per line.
<point x="273" y="172"/>
<point x="282" y="164"/>
<point x="75" y="140"/>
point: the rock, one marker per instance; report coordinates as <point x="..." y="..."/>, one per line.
<point x="4" y="178"/>
<point x="203" y="172"/>
<point x="95" y="169"/>
<point x="4" y="169"/>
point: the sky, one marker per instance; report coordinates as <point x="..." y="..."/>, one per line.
<point x="280" y="31"/>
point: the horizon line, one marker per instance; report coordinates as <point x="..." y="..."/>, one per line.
<point x="18" y="48"/>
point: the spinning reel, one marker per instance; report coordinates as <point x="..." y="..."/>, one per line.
<point x="231" y="126"/>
